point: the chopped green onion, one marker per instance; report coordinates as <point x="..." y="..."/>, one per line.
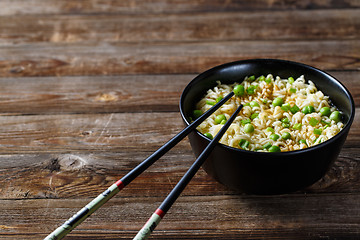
<point x="254" y="115"/>
<point x="251" y="78"/>
<point x="223" y="122"/>
<point x="293" y="90"/>
<point x="317" y="131"/>
<point x="267" y="145"/>
<point x="285" y="120"/>
<point x="302" y="141"/>
<point x="313" y="122"/>
<point x="297" y="126"/>
<point x="294" y="109"/>
<point x="219" y="99"/>
<point x="270" y="129"/>
<point x="209" y="102"/>
<point x="285" y="107"/>
<point x="268" y="80"/>
<point x="245" y="121"/>
<point x="285" y="125"/>
<point x="251" y="89"/>
<point x="326" y="123"/>
<point x="254" y="104"/>
<point x="244" y="143"/>
<point x="261" y="78"/>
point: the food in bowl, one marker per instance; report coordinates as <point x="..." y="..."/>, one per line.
<point x="279" y="115"/>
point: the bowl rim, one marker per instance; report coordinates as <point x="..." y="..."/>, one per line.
<point x="280" y="61"/>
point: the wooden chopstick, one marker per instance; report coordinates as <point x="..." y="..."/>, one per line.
<point x="156" y="217"/>
<point x="96" y="203"/>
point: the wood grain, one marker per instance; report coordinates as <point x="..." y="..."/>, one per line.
<point x="213" y="26"/>
<point x="109" y="94"/>
<point x="129" y="7"/>
<point x="45" y="59"/>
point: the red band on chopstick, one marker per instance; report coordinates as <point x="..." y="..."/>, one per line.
<point x="160" y="212"/>
<point x="120" y="184"/>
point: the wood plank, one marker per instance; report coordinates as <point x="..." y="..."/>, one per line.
<point x="187" y="27"/>
<point x="193" y="217"/>
<point x="21" y="7"/>
<point x="109" y="94"/>
<point x="101" y="132"/>
<point x="48" y="59"/>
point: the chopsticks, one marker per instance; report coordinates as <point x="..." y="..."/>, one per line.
<point x="97" y="202"/>
<point x="156" y="217"/>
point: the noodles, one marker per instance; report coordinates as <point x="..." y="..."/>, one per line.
<point x="285" y="114"/>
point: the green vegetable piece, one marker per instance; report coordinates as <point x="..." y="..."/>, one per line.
<point x="268" y="80"/>
<point x="197" y="113"/>
<point x="274" y="149"/>
<point x="219" y="99"/>
<point x="285" y="125"/>
<point x="285" y="120"/>
<point x="326" y="123"/>
<point x="285" y="107"/>
<point x="220" y="118"/>
<point x="208" y="135"/>
<point x="286" y="135"/>
<point x="308" y="109"/>
<point x="293" y="90"/>
<point x="313" y="122"/>
<point x="239" y="90"/>
<point x="303" y="141"/>
<point x="291" y="80"/>
<point x="223" y="122"/>
<point x="254" y="115"/>
<point x="294" y="109"/>
<point x="209" y="102"/>
<point x="274" y="137"/>
<point x="297" y="126"/>
<point x="270" y="129"/>
<point x="254" y="104"/>
<point x="244" y="143"/>
<point x="317" y="131"/>
<point x="277" y="101"/>
<point x="248" y="128"/>
<point x="325" y="111"/>
<point x="261" y="78"/>
<point x="267" y="145"/>
<point x="251" y="89"/>
<point x="335" y="116"/>
<point x="245" y="121"/>
<point x="251" y="78"/>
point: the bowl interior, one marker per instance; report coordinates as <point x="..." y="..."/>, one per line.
<point x="237" y="71"/>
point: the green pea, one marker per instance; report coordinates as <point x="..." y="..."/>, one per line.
<point x="286" y="135"/>
<point x="208" y="135"/>
<point x="335" y="116"/>
<point x="261" y="78"/>
<point x="308" y="109"/>
<point x="197" y="113"/>
<point x="268" y="80"/>
<point x="248" y="128"/>
<point x="254" y="104"/>
<point x="245" y="121"/>
<point x="291" y="80"/>
<point x="325" y="111"/>
<point x="251" y="78"/>
<point x="239" y="90"/>
<point x="285" y="120"/>
<point x="277" y="101"/>
<point x="293" y="90"/>
<point x="220" y="118"/>
<point x="267" y="145"/>
<point x="274" y="137"/>
<point x="274" y="149"/>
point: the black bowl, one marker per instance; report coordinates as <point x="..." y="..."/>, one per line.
<point x="264" y="172"/>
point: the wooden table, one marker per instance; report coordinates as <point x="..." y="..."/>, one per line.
<point x="90" y="88"/>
